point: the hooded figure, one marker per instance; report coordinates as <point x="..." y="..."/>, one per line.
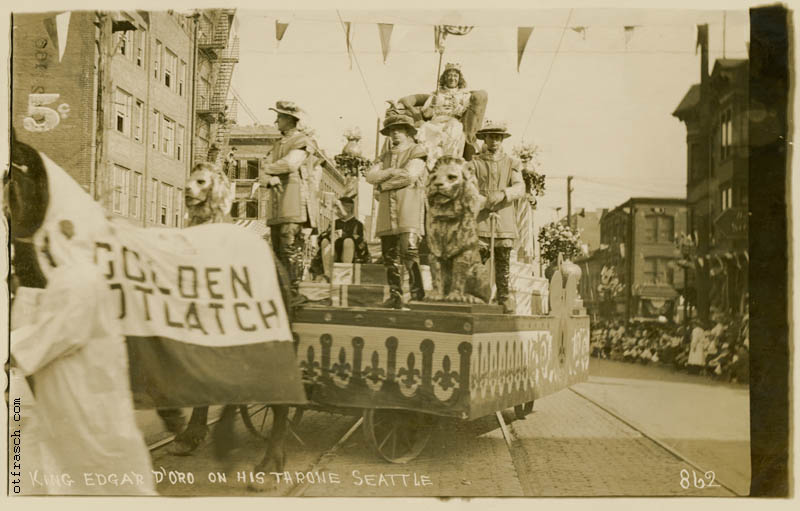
<point x="68" y="343"/>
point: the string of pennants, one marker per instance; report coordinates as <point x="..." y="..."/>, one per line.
<point x="440" y="35"/>
<point x="716" y="263"/>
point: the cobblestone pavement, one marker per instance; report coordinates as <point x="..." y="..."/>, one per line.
<point x="706" y="422"/>
<point x="566" y="447"/>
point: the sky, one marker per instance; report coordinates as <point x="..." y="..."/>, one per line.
<point x="599" y="108"/>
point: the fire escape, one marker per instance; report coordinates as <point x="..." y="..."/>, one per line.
<point x="212" y="103"/>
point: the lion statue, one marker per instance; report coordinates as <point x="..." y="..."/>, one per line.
<point x="208" y="195"/>
<point x="453" y="205"/>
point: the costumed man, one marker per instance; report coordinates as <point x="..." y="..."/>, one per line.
<point x="287" y="172"/>
<point x="398" y="176"/>
<point x="500" y="181"/>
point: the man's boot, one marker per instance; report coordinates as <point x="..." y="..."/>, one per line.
<point x="415" y="283"/>
<point x="395" y="300"/>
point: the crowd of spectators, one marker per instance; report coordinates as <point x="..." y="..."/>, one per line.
<point x="718" y="348"/>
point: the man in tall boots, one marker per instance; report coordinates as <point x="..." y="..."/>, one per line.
<point x="500" y="181"/>
<point x="399" y="176"/>
<point x="287" y="172"/>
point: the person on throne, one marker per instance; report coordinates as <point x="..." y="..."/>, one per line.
<point x="448" y="119"/>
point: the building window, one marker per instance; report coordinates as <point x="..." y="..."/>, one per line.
<point x="165" y="204"/>
<point x="140" y="47"/>
<point x="695" y="163"/>
<point x="168" y="137"/>
<point x="251" y="209"/>
<point x="252" y="170"/>
<point x="122" y="106"/>
<point x="136" y="195"/>
<point x="178" y="203"/>
<point x="659" y="228"/>
<point x="179" y="142"/>
<point x="126" y="44"/>
<point x="155" y="124"/>
<point x="657" y="271"/>
<point x="726" y="132"/>
<point x="121" y="193"/>
<point x="170" y="69"/>
<point x="138" y="121"/>
<point x="726" y="193"/>
<point x="157" y="60"/>
<point x="153" y="194"/>
<point x="182" y="78"/>
<point x="235" y="210"/>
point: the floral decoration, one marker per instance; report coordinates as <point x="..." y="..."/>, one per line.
<point x="556" y="238"/>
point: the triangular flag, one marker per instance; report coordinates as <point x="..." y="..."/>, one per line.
<point x="438" y="38"/>
<point x="628" y="34"/>
<point x="347" y="42"/>
<point x="52" y="31"/>
<point x="523" y="34"/>
<point x="280" y="29"/>
<point x="581" y="31"/>
<point x="62" y="27"/>
<point x="385" y="30"/>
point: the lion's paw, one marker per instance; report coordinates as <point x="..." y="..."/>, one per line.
<point x="433" y="296"/>
<point x="455" y="296"/>
<point x="472" y="299"/>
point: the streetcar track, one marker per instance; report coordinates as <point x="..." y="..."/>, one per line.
<point x="656" y="441"/>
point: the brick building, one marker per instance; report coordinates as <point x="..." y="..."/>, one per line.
<point x="637" y="240"/>
<point x="108" y="96"/>
<point x="252" y="143"/>
<point x="715" y="114"/>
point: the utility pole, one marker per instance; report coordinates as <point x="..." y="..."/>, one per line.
<point x="569" y="202"/>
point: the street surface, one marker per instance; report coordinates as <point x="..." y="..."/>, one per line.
<point x="642" y="431"/>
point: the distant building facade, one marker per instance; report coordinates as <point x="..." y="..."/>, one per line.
<point x="108" y="97"/>
<point x="637" y="243"/>
<point x="715" y="113"/>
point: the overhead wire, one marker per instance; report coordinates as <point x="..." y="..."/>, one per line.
<point x="246" y="107"/>
<point x="547" y="76"/>
<point x="358" y="65"/>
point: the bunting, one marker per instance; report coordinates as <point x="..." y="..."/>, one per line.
<point x="523" y="34"/>
<point x="385" y="30"/>
<point x="580" y="30"/>
<point x="347" y="42"/>
<point x="280" y="29"/>
<point x="629" y="34"/>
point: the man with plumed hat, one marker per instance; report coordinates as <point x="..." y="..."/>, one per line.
<point x="287" y="172"/>
<point x="399" y="176"/>
<point x="500" y="181"/>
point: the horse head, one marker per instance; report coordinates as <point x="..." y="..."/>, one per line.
<point x="26" y="196"/>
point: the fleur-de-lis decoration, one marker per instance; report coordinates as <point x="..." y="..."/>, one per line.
<point x="310" y="367"/>
<point x="374" y="373"/>
<point x="342" y="368"/>
<point x="411" y="374"/>
<point x="445" y="377"/>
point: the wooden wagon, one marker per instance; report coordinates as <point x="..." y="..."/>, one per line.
<point x="404" y="368"/>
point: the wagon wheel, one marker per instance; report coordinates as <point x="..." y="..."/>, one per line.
<point x="398" y="436"/>
<point x="521" y="411"/>
<point x="261" y="427"/>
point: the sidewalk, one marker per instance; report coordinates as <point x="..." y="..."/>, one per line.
<point x="706" y="422"/>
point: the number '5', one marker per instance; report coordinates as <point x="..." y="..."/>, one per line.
<point x="36" y="108"/>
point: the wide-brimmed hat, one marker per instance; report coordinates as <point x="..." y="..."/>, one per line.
<point x="398" y="120"/>
<point x="498" y="128"/>
<point x="289" y="108"/>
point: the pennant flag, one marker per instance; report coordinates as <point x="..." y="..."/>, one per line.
<point x="442" y="31"/>
<point x="347" y="42"/>
<point x="280" y="29"/>
<point x="385" y="30"/>
<point x="523" y="34"/>
<point x="52" y="31"/>
<point x="629" y="34"/>
<point x="62" y="26"/>
<point x="702" y="37"/>
<point x="581" y="31"/>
